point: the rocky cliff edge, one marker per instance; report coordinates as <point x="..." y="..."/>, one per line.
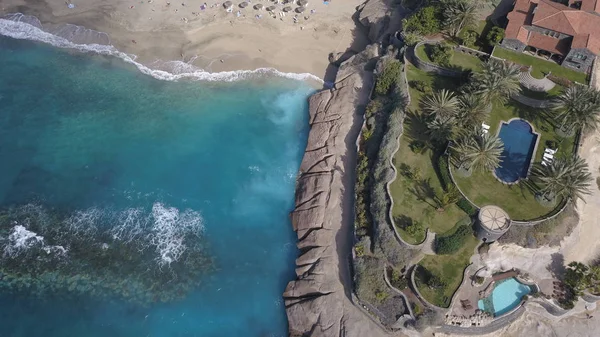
<point x="318" y="302"/>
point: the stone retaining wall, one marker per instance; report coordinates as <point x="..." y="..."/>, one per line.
<point x="430" y="67"/>
<point x="531" y="102"/>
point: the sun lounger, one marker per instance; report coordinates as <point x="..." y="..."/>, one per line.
<point x="548" y="156"/>
<point x="544" y="163"/>
<point x="550" y="151"/>
<point x="485" y="126"/>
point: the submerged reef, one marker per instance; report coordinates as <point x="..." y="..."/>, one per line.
<point x="140" y="255"/>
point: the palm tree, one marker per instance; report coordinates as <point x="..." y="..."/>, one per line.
<point x="472" y="110"/>
<point x="480" y="153"/>
<point x="441" y="104"/>
<point x="440" y="131"/>
<point x="459" y="14"/>
<point x="497" y="81"/>
<point x="578" y="107"/>
<point x="563" y="178"/>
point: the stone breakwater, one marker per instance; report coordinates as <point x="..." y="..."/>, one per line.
<point x="318" y="302"/>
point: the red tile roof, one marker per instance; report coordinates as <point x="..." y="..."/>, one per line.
<point x="590" y="6"/>
<point x="548" y="43"/>
<point x="583" y="25"/>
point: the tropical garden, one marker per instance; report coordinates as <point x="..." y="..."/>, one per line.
<point x="445" y="160"/>
<point x="443" y="136"/>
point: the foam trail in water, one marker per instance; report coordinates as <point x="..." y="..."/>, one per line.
<point x="23" y="27"/>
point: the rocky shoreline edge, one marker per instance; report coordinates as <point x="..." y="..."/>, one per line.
<point x="319" y="301"/>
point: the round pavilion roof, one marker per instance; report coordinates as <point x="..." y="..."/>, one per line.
<point x="493" y="218"/>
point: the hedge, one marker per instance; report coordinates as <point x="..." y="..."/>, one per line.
<point x="462" y="203"/>
<point x="453" y="242"/>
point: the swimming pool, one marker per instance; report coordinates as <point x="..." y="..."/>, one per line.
<point x="519" y="144"/>
<point x="507" y="294"/>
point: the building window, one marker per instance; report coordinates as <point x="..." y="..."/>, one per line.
<point x="579" y="56"/>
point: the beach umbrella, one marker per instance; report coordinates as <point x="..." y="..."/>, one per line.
<point x="300" y="9"/>
<point x="258" y="6"/>
<point x="287" y="9"/>
<point x="271" y="8"/>
<point x="244" y="4"/>
<point x="227" y="4"/>
<point x="302" y="3"/>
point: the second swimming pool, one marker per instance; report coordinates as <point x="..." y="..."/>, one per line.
<point x="507" y="294"/>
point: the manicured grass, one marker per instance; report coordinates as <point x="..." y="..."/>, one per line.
<point x="449" y="268"/>
<point x="517" y="200"/>
<point x="466" y="61"/>
<point x="459" y="59"/>
<point x="543" y="95"/>
<point x="422" y="54"/>
<point x="404" y="190"/>
<point x="540" y="66"/>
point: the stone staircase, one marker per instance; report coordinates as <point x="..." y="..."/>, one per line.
<point x="535" y="84"/>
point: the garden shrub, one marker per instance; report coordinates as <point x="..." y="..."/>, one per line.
<point x="469" y="38"/>
<point x="388" y="78"/>
<point x="453" y="242"/>
<point x="441" y="53"/>
<point x="495" y="35"/>
<point x="425" y="21"/>
<point x="417" y="146"/>
<point x="422" y="86"/>
<point x="560" y="81"/>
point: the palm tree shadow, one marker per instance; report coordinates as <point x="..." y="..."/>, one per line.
<point x="416" y="126"/>
<point x="423" y="191"/>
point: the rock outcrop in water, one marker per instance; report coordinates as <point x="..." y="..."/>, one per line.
<point x="318" y="302"/>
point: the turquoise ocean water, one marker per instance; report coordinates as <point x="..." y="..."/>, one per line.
<point x="92" y="139"/>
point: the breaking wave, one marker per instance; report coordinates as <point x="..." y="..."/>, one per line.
<point x="163" y="228"/>
<point x="27" y="27"/>
<point x="145" y="255"/>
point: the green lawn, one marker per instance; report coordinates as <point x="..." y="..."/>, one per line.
<point x="540" y="66"/>
<point x="517" y="200"/>
<point x="459" y="59"/>
<point x="449" y="268"/>
<point x="407" y="206"/>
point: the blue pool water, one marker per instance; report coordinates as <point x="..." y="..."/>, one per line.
<point x="519" y="143"/>
<point x="507" y="294"/>
<point x="97" y="158"/>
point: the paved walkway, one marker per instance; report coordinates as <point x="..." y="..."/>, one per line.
<point x="428" y="244"/>
<point x="535" y="84"/>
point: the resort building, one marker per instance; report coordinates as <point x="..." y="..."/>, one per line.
<point x="566" y="32"/>
<point x="492" y="223"/>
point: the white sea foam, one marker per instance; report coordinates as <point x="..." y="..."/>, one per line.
<point x="164" y="229"/>
<point x="21" y="239"/>
<point x="170" y="229"/>
<point x="19" y="26"/>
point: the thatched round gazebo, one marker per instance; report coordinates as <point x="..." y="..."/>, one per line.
<point x="287" y="9"/>
<point x="243" y="4"/>
<point x="492" y="223"/>
<point x="300" y="9"/>
<point x="271" y="8"/>
<point x="227" y="4"/>
<point x="258" y="7"/>
<point x="302" y="3"/>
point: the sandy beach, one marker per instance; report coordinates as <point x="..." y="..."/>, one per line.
<point x="211" y="38"/>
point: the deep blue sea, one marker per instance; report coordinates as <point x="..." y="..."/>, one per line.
<point x="91" y="147"/>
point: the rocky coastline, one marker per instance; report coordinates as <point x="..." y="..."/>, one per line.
<point x="319" y="302"/>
